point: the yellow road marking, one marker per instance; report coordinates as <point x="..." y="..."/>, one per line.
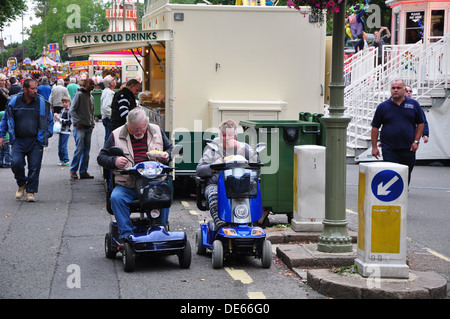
<point x="238" y="274"/>
<point x="193" y="212"/>
<point x="351" y="212"/>
<point x="184" y="203"/>
<point x="437" y="254"/>
<point x="256" y="295"/>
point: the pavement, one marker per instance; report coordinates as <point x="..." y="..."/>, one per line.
<point x="298" y="250"/>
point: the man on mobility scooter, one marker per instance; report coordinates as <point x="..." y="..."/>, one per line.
<point x="228" y="180"/>
<point x="129" y="151"/>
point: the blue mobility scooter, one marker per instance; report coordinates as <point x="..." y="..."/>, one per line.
<point x="239" y="205"/>
<point x="154" y="188"/>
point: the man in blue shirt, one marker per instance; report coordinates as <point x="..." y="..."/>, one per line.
<point x="402" y="125"/>
<point x="29" y="122"/>
<point x="45" y="89"/>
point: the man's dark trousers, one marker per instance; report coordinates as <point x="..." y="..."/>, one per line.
<point x="30" y="148"/>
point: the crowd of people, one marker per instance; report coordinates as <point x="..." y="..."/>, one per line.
<point x="33" y="110"/>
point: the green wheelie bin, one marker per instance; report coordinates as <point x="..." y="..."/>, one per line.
<point x="277" y="175"/>
<point x="97" y="94"/>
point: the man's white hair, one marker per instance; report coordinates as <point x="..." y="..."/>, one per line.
<point x="137" y="115"/>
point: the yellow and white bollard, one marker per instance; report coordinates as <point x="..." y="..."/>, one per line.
<point x="309" y="188"/>
<point x="382" y="206"/>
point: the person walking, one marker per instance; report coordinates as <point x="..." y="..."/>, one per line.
<point x="58" y="92"/>
<point x="44" y="89"/>
<point x="82" y="114"/>
<point x="401" y="122"/>
<point x="29" y="122"/>
<point x="107" y="97"/>
<point x="64" y="118"/>
<point x="15" y="87"/>
<point x="123" y="102"/>
<point x="72" y="87"/>
<point x="4" y="93"/>
<point x="5" y="150"/>
<point x="426" y="128"/>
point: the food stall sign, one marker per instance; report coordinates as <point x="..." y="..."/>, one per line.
<point x="87" y="43"/>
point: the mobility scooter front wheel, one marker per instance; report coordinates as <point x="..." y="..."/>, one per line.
<point x="184" y="257"/>
<point x="266" y="258"/>
<point x="217" y="254"/>
<point x="128" y="257"/>
<point x="110" y="252"/>
<point x="199" y="248"/>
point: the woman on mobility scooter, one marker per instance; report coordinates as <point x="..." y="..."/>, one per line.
<point x="230" y="171"/>
<point x="137" y="137"/>
<point x="228" y="145"/>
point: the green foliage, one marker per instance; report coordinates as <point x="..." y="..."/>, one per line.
<point x="89" y="13"/>
<point x="10" y="10"/>
<point x="345" y="270"/>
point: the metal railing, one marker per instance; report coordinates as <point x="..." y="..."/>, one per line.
<point x="368" y="84"/>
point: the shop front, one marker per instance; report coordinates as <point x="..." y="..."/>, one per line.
<point x="80" y="69"/>
<point x="414" y="21"/>
<point x="124" y="65"/>
<point x="102" y="67"/>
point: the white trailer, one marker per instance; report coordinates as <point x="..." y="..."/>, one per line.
<point x="217" y="62"/>
<point x="243" y="62"/>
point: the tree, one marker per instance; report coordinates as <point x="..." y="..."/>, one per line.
<point x="10" y="9"/>
<point x="76" y="16"/>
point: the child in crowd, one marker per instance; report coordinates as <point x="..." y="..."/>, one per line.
<point x="64" y="117"/>
<point x="5" y="159"/>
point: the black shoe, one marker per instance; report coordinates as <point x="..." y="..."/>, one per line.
<point x="86" y="176"/>
<point x="122" y="242"/>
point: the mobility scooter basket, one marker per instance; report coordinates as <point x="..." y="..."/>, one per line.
<point x="244" y="186"/>
<point x="155" y="192"/>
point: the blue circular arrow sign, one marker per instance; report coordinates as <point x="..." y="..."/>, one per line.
<point x="387" y="185"/>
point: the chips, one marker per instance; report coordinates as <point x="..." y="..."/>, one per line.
<point x="156" y="153"/>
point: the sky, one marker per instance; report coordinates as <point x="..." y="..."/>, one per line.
<point x="13" y="32"/>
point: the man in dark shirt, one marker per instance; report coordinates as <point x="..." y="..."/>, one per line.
<point x="29" y="122"/>
<point x="123" y="102"/>
<point x="82" y="114"/>
<point x="402" y="126"/>
<point x="15" y="87"/>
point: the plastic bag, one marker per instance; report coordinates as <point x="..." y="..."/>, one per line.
<point x="57" y="127"/>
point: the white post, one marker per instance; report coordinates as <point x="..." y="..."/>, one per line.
<point x="309" y="188"/>
<point x="382" y="206"/>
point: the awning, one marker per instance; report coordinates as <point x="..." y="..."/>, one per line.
<point x="44" y="60"/>
<point x="89" y="43"/>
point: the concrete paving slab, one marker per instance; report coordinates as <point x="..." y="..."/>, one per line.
<point x="306" y="255"/>
<point x="420" y="285"/>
